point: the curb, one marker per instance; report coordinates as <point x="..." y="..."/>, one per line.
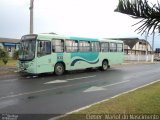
<point x="128" y="63"/>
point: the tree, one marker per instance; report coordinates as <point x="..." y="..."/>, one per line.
<point x="15" y="54"/>
<point x="141" y="9"/>
<point x="4" y="56"/>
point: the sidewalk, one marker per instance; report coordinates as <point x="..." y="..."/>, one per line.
<point x="139" y="62"/>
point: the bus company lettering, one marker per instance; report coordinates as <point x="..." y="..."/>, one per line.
<point x="112" y="117"/>
<point x="93" y="117"/>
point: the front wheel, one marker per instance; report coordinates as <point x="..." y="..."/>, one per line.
<point x="104" y="66"/>
<point x="59" y="69"/>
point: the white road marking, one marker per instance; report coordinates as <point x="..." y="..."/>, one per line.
<point x="9" y="80"/>
<point x="28" y="77"/>
<point x="66" y="80"/>
<point x="116" y="83"/>
<point x="81" y="78"/>
<point x="94" y="88"/>
<point x="98" y="88"/>
<point x="85" y="107"/>
<point x="56" y="81"/>
<point x="34" y="76"/>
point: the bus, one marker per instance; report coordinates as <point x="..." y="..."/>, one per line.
<point x="46" y="53"/>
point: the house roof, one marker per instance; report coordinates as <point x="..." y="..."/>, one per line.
<point x="131" y="41"/>
<point x="9" y="40"/>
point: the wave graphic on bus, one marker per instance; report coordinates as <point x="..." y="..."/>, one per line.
<point x="81" y="59"/>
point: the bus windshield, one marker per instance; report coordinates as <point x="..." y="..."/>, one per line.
<point x="27" y="49"/>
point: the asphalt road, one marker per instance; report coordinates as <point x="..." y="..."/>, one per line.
<point x="50" y="94"/>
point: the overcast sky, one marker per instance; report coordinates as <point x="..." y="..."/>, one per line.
<point x="84" y="18"/>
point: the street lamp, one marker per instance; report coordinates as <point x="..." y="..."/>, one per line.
<point x="31" y="16"/>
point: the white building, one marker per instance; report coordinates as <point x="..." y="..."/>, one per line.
<point x="137" y="46"/>
<point x="9" y="44"/>
<point x="136" y="49"/>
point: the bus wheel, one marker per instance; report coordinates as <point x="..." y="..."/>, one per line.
<point x="104" y="65"/>
<point x="59" y="69"/>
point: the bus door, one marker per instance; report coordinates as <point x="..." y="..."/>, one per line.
<point x="44" y="59"/>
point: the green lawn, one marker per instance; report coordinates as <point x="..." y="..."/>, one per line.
<point x="9" y="68"/>
<point x="142" y="101"/>
<point x="11" y="63"/>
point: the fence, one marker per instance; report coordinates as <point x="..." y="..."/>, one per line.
<point x="147" y="58"/>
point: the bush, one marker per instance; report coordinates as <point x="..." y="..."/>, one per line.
<point x="5" y="60"/>
<point x="1" y="51"/>
<point x="4" y="56"/>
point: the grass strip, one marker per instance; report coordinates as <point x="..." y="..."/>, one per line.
<point x="145" y="101"/>
<point x="8" y="68"/>
<point x="10" y="63"/>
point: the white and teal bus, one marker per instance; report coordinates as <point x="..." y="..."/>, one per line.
<point x="45" y="53"/>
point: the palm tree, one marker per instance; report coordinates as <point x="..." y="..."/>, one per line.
<point x="141" y="9"/>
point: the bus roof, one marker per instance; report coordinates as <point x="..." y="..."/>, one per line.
<point x="50" y="36"/>
<point x="56" y="36"/>
<point x="111" y="40"/>
<point x="83" y="38"/>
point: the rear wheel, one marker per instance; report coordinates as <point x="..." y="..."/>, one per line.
<point x="59" y="69"/>
<point x="104" y="65"/>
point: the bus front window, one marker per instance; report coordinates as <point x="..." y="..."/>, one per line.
<point x="27" y="49"/>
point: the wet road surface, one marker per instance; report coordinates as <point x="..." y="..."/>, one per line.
<point x="50" y="94"/>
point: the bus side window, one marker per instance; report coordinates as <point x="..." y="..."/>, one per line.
<point x="105" y="46"/>
<point x="71" y="45"/>
<point x="57" y="45"/>
<point x="119" y="47"/>
<point x="48" y="47"/>
<point x="84" y="46"/>
<point x="95" y="46"/>
<point x="113" y="47"/>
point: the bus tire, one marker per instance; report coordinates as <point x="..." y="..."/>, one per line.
<point x="105" y="65"/>
<point x="59" y="69"/>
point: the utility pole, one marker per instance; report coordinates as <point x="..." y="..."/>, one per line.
<point x="31" y="16"/>
<point x="146" y="35"/>
<point x="153" y="47"/>
<point x="153" y="42"/>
